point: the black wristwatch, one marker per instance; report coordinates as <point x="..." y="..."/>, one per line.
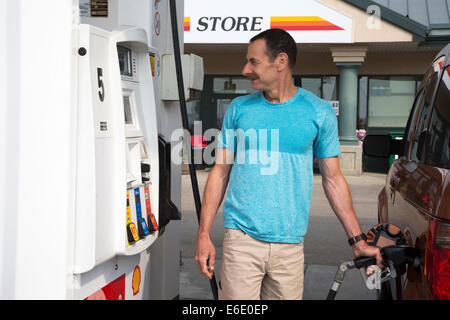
<point x="357" y="238"/>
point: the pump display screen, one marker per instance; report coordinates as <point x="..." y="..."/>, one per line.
<point x="125" y="61"/>
<point x="127" y="110"/>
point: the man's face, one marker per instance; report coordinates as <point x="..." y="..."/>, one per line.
<point x="258" y="68"/>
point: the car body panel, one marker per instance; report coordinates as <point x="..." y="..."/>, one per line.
<point x="418" y="192"/>
<point x="415" y="192"/>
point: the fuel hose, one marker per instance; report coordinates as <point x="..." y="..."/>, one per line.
<point x="184" y="119"/>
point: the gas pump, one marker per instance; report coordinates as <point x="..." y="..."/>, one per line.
<point x="117" y="152"/>
<point x="141" y="136"/>
<point x="119" y="68"/>
<point x="84" y="131"/>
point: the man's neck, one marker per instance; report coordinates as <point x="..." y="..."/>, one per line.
<point x="281" y="93"/>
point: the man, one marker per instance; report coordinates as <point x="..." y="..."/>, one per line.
<point x="266" y="214"/>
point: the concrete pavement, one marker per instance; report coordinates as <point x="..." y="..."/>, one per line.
<point x="325" y="243"/>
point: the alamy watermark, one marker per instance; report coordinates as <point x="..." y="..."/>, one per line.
<point x="249" y="147"/>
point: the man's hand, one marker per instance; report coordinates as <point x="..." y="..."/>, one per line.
<point x="205" y="255"/>
<point x="215" y="189"/>
<point x="362" y="249"/>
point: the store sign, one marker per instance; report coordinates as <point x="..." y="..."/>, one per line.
<point x="236" y="21"/>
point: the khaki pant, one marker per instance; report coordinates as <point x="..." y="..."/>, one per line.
<point x="252" y="269"/>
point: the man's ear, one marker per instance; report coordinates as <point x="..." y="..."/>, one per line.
<point x="283" y="60"/>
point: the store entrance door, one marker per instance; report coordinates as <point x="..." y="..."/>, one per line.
<point x="222" y="103"/>
<point x="225" y="89"/>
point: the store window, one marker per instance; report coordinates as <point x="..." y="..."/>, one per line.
<point x="233" y="85"/>
<point x="324" y="87"/>
<point x="362" y="103"/>
<point x="225" y="89"/>
<point x="193" y="111"/>
<point x="312" y="84"/>
<point x="222" y="106"/>
<point x="329" y="88"/>
<point x="390" y="99"/>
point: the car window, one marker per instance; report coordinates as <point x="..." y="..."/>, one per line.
<point x="420" y="132"/>
<point x="413" y="115"/>
<point x="418" y="101"/>
<point x="438" y="142"/>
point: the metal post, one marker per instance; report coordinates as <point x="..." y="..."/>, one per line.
<point x="184" y="118"/>
<point x="348" y="97"/>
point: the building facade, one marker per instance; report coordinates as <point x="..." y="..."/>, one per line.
<point x="366" y="57"/>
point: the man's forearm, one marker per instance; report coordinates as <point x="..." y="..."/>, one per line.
<point x="338" y="194"/>
<point x="214" y="192"/>
<point x="213" y="195"/>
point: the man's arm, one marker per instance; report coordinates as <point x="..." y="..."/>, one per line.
<point x="338" y="194"/>
<point x="216" y="186"/>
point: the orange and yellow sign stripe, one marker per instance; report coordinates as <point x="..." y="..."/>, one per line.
<point x="187" y="23"/>
<point x="302" y="23"/>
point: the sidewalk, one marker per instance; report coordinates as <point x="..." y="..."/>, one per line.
<point x="325" y="242"/>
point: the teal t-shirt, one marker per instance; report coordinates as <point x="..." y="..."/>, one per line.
<point x="269" y="193"/>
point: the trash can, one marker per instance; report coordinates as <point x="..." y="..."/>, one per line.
<point x="395" y="136"/>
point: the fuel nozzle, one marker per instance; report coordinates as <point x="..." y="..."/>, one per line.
<point x="360" y="262"/>
<point x="400" y="256"/>
<point x="395" y="252"/>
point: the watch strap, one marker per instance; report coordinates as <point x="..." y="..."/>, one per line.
<point x="357" y="238"/>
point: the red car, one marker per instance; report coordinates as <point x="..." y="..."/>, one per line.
<point x="416" y="196"/>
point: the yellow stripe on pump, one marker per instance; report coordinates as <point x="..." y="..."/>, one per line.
<point x="132" y="233"/>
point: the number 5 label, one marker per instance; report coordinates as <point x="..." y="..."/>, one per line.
<point x="101" y="86"/>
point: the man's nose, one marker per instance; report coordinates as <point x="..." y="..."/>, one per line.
<point x="246" y="70"/>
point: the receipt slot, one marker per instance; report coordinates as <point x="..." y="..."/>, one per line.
<point x="117" y="146"/>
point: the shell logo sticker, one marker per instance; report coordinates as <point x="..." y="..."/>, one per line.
<point x="136" y="282"/>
